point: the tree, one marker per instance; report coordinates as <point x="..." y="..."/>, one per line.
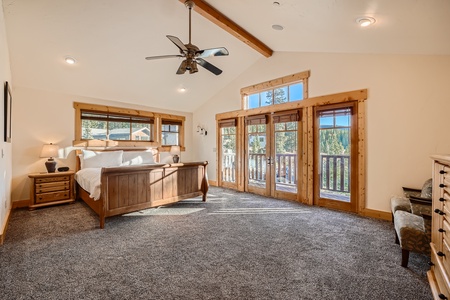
<point x="277" y="95"/>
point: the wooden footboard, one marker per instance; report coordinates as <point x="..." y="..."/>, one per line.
<point x="132" y="188"/>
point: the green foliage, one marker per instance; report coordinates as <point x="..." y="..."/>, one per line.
<point x="334" y="141"/>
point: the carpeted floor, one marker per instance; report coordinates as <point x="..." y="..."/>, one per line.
<point x="234" y="246"/>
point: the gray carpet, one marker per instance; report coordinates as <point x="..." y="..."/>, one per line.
<point x="234" y="246"/>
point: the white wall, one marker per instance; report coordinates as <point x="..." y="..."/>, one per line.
<point x="47" y="117"/>
<point x="5" y="148"/>
<point x="407" y="110"/>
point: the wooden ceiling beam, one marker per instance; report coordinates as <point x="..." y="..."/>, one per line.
<point x="225" y="23"/>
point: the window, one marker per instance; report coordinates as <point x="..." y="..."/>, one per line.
<point x="97" y="124"/>
<point x="282" y="90"/>
<point x="170" y="133"/>
<point x="105" y="126"/>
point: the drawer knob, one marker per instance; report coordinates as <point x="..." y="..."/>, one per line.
<point x="442" y="172"/>
<point x="442" y="185"/>
<point x="441" y="254"/>
<point x="439" y="212"/>
<point x="441" y="199"/>
<point x="441" y="230"/>
<point x="442" y="296"/>
<point x="430" y="263"/>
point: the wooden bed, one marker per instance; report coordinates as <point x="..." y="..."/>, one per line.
<point x="133" y="188"/>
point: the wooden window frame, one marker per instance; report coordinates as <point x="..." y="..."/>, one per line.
<point x="157" y="127"/>
<point x="178" y="123"/>
<point x="274" y="84"/>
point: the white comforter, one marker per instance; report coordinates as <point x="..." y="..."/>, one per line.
<point x="89" y="180"/>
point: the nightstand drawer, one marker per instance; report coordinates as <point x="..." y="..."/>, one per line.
<point x="55" y="188"/>
<point x="59" y="185"/>
<point x="48" y="197"/>
<point x="52" y="179"/>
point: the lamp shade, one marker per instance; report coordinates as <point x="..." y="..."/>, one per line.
<point x="49" y="150"/>
<point x="175" y="150"/>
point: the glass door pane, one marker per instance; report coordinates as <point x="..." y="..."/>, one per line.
<point x="228" y="139"/>
<point x="286" y="157"/>
<point x="256" y="155"/>
<point x="335" y="154"/>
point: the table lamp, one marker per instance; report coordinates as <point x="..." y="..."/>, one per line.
<point x="49" y="151"/>
<point x="175" y="151"/>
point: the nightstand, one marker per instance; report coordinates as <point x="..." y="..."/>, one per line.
<point x="51" y="188"/>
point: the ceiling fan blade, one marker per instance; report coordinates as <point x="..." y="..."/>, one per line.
<point x="177" y="43"/>
<point x="213" y="69"/>
<point x="163" y="56"/>
<point x="221" y="51"/>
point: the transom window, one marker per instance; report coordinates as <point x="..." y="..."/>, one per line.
<point x="286" y="89"/>
<point x="284" y="94"/>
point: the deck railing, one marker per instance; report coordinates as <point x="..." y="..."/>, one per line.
<point x="285" y="164"/>
<point x="229" y="167"/>
<point x="335" y="173"/>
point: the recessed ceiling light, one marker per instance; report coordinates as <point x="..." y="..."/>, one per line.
<point x="277" y="27"/>
<point x="182" y="90"/>
<point x="365" y="21"/>
<point x="70" y="60"/>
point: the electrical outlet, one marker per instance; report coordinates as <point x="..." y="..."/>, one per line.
<point x="214" y="149"/>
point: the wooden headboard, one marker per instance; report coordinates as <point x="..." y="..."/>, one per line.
<point x="78" y="152"/>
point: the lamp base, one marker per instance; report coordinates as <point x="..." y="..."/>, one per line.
<point x="176" y="158"/>
<point x="50" y="165"/>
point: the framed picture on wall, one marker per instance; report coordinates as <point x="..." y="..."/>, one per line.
<point x="7" y="110"/>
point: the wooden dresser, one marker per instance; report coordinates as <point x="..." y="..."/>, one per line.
<point x="439" y="274"/>
<point x="51" y="188"/>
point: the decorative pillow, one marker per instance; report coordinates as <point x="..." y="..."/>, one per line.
<point x="93" y="159"/>
<point x="427" y="189"/>
<point x="137" y="158"/>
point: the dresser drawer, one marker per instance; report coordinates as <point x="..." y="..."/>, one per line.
<point x="52" y="179"/>
<point x="442" y="287"/>
<point x="53" y="196"/>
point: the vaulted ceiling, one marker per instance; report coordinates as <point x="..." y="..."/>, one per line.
<point x="110" y="39"/>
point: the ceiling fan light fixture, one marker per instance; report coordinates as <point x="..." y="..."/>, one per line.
<point x="365" y="21"/>
<point x="183" y="67"/>
<point x="193" y="69"/>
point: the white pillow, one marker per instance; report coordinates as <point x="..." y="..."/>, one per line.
<point x="137" y="158"/>
<point x="92" y="159"/>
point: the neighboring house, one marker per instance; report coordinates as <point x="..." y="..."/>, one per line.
<point x="142" y="134"/>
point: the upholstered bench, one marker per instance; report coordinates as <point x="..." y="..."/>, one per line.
<point x="413" y="233"/>
<point x="411" y="215"/>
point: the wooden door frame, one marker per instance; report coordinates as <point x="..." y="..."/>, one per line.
<point x="306" y="162"/>
<point x="354" y="160"/>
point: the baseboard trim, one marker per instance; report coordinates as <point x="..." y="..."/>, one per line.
<point x="377" y="214"/>
<point x="4" y="227"/>
<point x="20" y="203"/>
<point x="212" y="182"/>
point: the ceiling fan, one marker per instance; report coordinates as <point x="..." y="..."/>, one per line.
<point x="192" y="54"/>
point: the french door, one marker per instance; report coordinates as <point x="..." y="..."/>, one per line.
<point x="271" y="154"/>
<point x="335" y="157"/>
